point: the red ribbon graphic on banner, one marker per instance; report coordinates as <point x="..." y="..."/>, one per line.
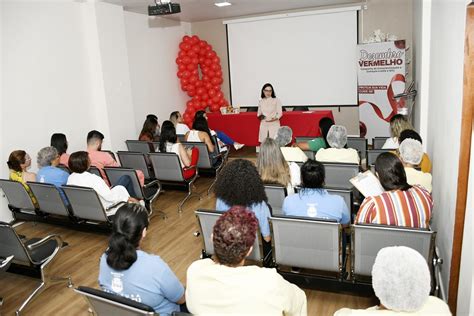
<point x="394" y="104"/>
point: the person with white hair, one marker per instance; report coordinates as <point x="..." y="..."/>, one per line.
<point x="48" y="161"/>
<point x="337" y="140"/>
<point x="411" y="153"/>
<point x="402" y="282"/>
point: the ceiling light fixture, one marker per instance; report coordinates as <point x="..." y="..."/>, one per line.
<point x="222" y="4"/>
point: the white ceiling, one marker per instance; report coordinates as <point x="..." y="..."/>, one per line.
<point x="203" y="10"/>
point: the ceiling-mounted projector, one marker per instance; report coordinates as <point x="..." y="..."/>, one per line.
<point x="163" y="8"/>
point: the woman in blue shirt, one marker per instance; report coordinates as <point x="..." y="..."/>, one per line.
<point x="130" y="272"/>
<point x="313" y="200"/>
<point x="239" y="184"/>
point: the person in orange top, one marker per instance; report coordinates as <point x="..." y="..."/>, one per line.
<point x="101" y="159"/>
<point x="401" y="204"/>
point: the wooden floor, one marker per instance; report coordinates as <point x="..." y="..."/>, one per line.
<point x="172" y="239"/>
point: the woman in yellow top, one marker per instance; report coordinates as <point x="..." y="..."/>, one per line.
<point x="18" y="163"/>
<point x="269" y="113"/>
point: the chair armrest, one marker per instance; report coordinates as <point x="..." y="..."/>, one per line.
<point x="6" y="262"/>
<point x="41" y="242"/>
<point x="146" y="186"/>
<point x="115" y="205"/>
<point x="190" y="168"/>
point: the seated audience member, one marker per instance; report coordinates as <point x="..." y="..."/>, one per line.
<point x="154" y="118"/>
<point x="313" y="200"/>
<point x="401" y="281"/>
<point x="223" y="137"/>
<point x="411" y="153"/>
<point x="398" y="123"/>
<point x="283" y="138"/>
<point x="128" y="271"/>
<point x="401" y="204"/>
<point x="274" y="169"/>
<point x="201" y="133"/>
<point x="101" y="159"/>
<point x="79" y="163"/>
<point x="18" y="163"/>
<point x="149" y="133"/>
<point x="226" y="287"/>
<point x="59" y="142"/>
<point x="337" y="140"/>
<point x="240" y="184"/>
<point x="319" y="142"/>
<point x="169" y="143"/>
<point x="177" y="119"/>
<point x="48" y="161"/>
<point x="425" y="163"/>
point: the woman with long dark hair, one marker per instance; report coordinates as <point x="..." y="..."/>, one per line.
<point x="401" y="204"/>
<point x="59" y="141"/>
<point x="169" y="143"/>
<point x="149" y="133"/>
<point x="128" y="271"/>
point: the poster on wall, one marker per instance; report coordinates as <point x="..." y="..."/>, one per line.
<point x="381" y="76"/>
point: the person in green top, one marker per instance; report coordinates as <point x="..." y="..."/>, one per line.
<point x="319" y="142"/>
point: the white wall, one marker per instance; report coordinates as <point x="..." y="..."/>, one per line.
<point x="152" y="45"/>
<point x="66" y="68"/>
<point x="447" y="28"/>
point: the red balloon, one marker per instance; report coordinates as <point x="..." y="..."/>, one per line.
<point x="197" y="106"/>
<point x="186" y="74"/>
<point x="179" y="60"/>
<point x="211" y="92"/>
<point x="182" y="67"/>
<point x="184" y="81"/>
<point x="186" y="38"/>
<point x="191" y="93"/>
<point x="215" y="99"/>
<point x="195" y="39"/>
<point x="208" y="86"/>
<point x="192" y="80"/>
<point x="209" y="55"/>
<point x="204" y="97"/>
<point x="198" y="84"/>
<point x="200" y="91"/>
<point x="184" y="87"/>
<point x="182" y="54"/>
<point x="196" y="48"/>
<point x="210" y="74"/>
<point x="215" y="67"/>
<point x="215" y="108"/>
<point x="221" y="80"/>
<point x="216" y="60"/>
<point x="195" y="60"/>
<point x="191" y="54"/>
<point x="203" y="105"/>
<point x="201" y="59"/>
<point x="189" y="104"/>
<point x="215" y="81"/>
<point x="202" y="44"/>
<point x="220" y="95"/>
<point x="186" y="60"/>
<point x="191" y="112"/>
<point x="208" y="48"/>
<point x="186" y="117"/>
<point x="179" y="74"/>
<point x="207" y="62"/>
<point x="219" y="73"/>
<point x="190" y="67"/>
<point x="206" y="78"/>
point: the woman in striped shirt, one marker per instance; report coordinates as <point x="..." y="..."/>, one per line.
<point x="401" y="204"/>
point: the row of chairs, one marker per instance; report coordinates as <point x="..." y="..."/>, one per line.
<point x="318" y="245"/>
<point x="358" y="143"/>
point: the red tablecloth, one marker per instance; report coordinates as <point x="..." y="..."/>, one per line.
<point x="243" y="127"/>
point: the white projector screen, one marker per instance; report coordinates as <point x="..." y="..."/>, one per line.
<point x="309" y="60"/>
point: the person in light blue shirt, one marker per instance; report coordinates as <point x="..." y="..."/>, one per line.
<point x="127" y="271"/>
<point x="239" y="184"/>
<point x="313" y="200"/>
<point x="48" y="161"/>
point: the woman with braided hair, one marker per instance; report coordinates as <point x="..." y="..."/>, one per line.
<point x="128" y="271"/>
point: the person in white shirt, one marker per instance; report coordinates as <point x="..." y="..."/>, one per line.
<point x="226" y="287"/>
<point x="402" y="282"/>
<point x="337" y="140"/>
<point x="177" y="119"/>
<point x="398" y="123"/>
<point x="411" y="153"/>
<point x="79" y="163"/>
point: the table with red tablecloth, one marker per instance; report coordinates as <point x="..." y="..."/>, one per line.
<point x="243" y="127"/>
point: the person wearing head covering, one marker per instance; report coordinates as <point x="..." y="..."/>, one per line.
<point x="401" y="281"/>
<point x="411" y="153"/>
<point x="425" y="164"/>
<point x="337" y="140"/>
<point x="283" y="138"/>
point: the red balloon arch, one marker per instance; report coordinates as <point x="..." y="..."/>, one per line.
<point x="200" y="74"/>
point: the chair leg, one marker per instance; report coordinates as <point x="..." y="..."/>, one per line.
<point x="211" y="186"/>
<point x="188" y="196"/>
<point x="35" y="293"/>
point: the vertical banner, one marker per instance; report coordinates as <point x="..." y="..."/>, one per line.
<point x="381" y="76"/>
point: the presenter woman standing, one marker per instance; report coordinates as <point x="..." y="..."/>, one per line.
<point x="269" y="113"/>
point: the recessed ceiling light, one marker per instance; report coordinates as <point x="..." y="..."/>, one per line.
<point x="222" y="4"/>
